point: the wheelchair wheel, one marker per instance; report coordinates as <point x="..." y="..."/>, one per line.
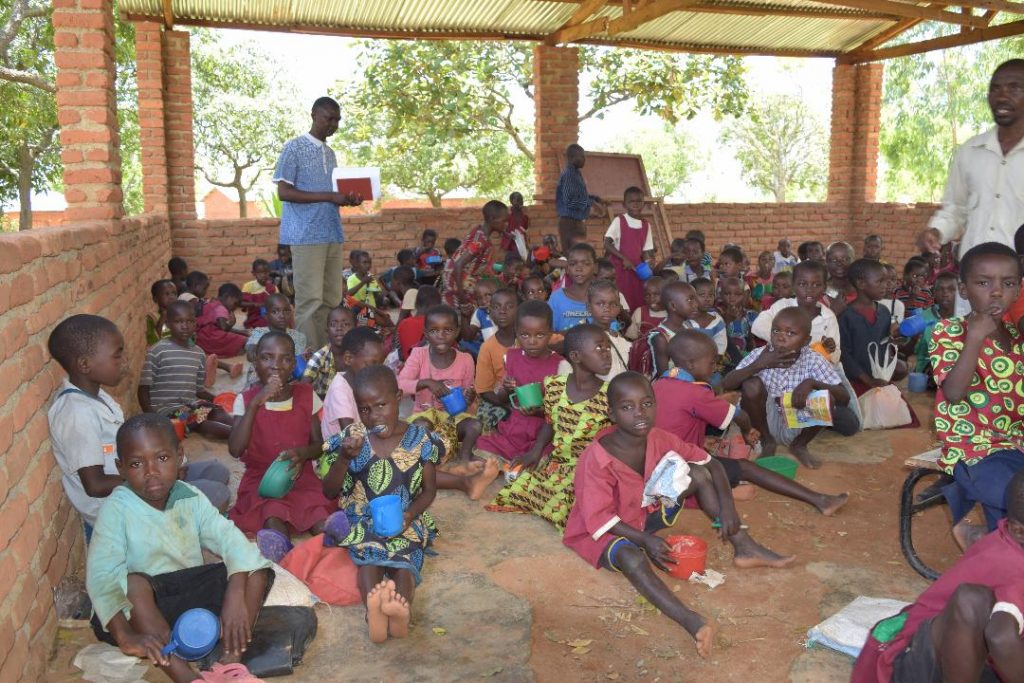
<point x="923" y="510"/>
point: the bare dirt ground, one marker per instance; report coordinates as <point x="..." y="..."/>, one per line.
<point x="505" y="601"/>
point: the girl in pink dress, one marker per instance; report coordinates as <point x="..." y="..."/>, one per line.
<point x="276" y="419"/>
<point x="530" y="362"/>
<point x="214" y="326"/>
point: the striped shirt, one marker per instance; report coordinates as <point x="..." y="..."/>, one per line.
<point x="571" y="198"/>
<point x="173" y="374"/>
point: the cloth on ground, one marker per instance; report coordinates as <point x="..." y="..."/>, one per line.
<point x="847" y="630"/>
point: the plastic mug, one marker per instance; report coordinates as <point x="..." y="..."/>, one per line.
<point x="913" y="326"/>
<point x="527" y="396"/>
<point x="917" y="382"/>
<point x="643" y="271"/>
<point x="300" y="366"/>
<point x="194" y="635"/>
<point x="454" y="401"/>
<point x="433" y="259"/>
<point x="386" y="512"/>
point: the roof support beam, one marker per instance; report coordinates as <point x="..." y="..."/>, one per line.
<point x="630" y="19"/>
<point x="996" y="5"/>
<point x="1015" y="28"/>
<point x="887" y="35"/>
<point x="912" y="11"/>
<point x="168" y="15"/>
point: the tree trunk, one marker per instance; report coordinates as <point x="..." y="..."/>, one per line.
<point x="435" y="200"/>
<point x="243" y="205"/>
<point x="26" y="164"/>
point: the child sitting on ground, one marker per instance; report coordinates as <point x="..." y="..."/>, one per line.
<point x="215" y="328"/>
<point x="146" y="566"/>
<point x="327" y="361"/>
<point x="533" y="288"/>
<point x="410" y="330"/>
<point x="680" y="302"/>
<point x="782" y="288"/>
<point x="651" y="313"/>
<point x="760" y="282"/>
<point x="569" y="303"/>
<point x="360" y="348"/>
<point x="196" y="285"/>
<point x="277" y="420"/>
<point x="967" y="625"/>
<point x="785" y="259"/>
<point x="174" y="375"/>
<point x="944" y="294"/>
<point x="864" y="322"/>
<point x="687" y="407"/>
<point x="279" y="319"/>
<point x="402" y="291"/>
<point x="975" y="361"/>
<point x="430" y="372"/>
<point x="604" y="307"/>
<point x="897" y="310"/>
<point x="738" y="320"/>
<point x="178" y="270"/>
<point x="490" y="362"/>
<point x="731" y="263"/>
<point x="428" y="259"/>
<point x="361" y="285"/>
<point x="811" y="251"/>
<point x="255" y="293"/>
<point x="530" y="362"/>
<point x="873" y="248"/>
<point x="281" y="272"/>
<point x="387" y="457"/>
<point x="840" y="292"/>
<point x="628" y="241"/>
<point x="914" y="291"/>
<point x="698" y="263"/>
<point x="477" y="326"/>
<point x="787" y="365"/>
<point x="809" y="278"/>
<point x="575" y="410"/>
<point x="163" y="293"/>
<point x="676" y="260"/>
<point x="706" y="318"/>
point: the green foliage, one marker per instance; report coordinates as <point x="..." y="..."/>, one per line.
<point x="128" y="116"/>
<point x="781" y="148"/>
<point x="932" y="103"/>
<point x="441" y="115"/>
<point x="239" y="123"/>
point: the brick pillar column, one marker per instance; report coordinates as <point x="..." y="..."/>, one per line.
<point x="149" y="59"/>
<point x="178" y="125"/>
<point x="83" y="33"/>
<point x="856" y="118"/>
<point x="556" y="120"/>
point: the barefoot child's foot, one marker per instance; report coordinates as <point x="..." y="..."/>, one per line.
<point x="830" y="505"/>
<point x="744" y="492"/>
<point x="376" y="620"/>
<point x="211" y="370"/>
<point x="966" y="534"/>
<point x="236" y="370"/>
<point x="749" y="554"/>
<point x="396" y="609"/>
<point x="465" y="469"/>
<point x="804" y="456"/>
<point x="704" y="639"/>
<point x="479" y="482"/>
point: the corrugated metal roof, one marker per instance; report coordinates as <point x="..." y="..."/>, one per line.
<point x="740" y="25"/>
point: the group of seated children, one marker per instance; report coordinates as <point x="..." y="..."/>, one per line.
<point x="578" y="379"/>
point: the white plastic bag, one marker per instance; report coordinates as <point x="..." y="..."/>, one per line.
<point x="883" y="359"/>
<point x="884" y="408"/>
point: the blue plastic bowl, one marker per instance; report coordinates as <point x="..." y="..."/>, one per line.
<point x="194" y="635"/>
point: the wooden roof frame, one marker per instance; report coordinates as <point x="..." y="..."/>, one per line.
<point x="587" y="25"/>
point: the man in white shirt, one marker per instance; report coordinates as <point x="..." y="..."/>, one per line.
<point x="984" y="198"/>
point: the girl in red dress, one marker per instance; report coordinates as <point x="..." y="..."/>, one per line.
<point x="628" y="243"/>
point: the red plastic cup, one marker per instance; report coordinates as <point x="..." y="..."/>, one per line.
<point x="690" y="554"/>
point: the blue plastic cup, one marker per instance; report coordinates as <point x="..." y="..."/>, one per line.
<point x="913" y="326"/>
<point x="194" y="635"/>
<point x="643" y="271"/>
<point x="917" y="382"/>
<point x="434" y="259"/>
<point x="454" y="401"/>
<point x="386" y="512"/>
<point x="300" y="366"/>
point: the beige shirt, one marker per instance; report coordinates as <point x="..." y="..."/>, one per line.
<point x="984" y="198"/>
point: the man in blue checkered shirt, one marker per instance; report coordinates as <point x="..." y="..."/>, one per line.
<point x="310" y="222"/>
<point x="789" y="364"/>
<point x="572" y="202"/>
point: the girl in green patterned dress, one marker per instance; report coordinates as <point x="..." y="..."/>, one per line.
<point x="384" y="456"/>
<point x="576" y="409"/>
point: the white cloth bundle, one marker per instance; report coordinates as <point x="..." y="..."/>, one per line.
<point x="668" y="481"/>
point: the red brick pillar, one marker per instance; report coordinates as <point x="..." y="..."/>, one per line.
<point x="83" y="33"/>
<point x="556" y="121"/>
<point x="149" y="59"/>
<point x="178" y="125"/>
<point x="856" y="118"/>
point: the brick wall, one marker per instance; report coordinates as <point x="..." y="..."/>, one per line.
<point x="149" y="73"/>
<point x="46" y="275"/>
<point x="855" y="124"/>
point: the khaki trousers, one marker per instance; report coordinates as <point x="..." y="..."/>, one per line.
<point x="318" y="287"/>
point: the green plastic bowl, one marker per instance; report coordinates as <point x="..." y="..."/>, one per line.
<point x="277" y="480"/>
<point x="779" y="464"/>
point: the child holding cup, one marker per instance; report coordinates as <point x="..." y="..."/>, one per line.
<point x="522" y="390"/>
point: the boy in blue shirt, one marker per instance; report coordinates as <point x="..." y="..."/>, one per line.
<point x="145" y="565"/>
<point x="569" y="304"/>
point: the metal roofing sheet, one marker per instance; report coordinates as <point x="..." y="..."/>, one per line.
<point x="537" y="18"/>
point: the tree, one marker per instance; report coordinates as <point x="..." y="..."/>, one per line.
<point x="781" y="147"/>
<point x="452" y="99"/>
<point x="931" y="104"/>
<point x="239" y="127"/>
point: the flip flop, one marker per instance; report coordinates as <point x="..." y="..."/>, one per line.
<point x="273" y="544"/>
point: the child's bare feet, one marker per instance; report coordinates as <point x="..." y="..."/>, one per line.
<point x="236" y="370"/>
<point x="396" y="608"/>
<point x="804" y="456"/>
<point x="966" y="534"/>
<point x="211" y="370"/>
<point x="462" y="468"/>
<point x="830" y="505"/>
<point x="479" y="482"/>
<point x="750" y="553"/>
<point x="704" y="639"/>
<point x="768" y="446"/>
<point x="376" y="620"/>
<point x="744" y="492"/>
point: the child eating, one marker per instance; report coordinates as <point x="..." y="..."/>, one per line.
<point x="530" y="362"/>
<point x="276" y="419"/>
<point x="361" y="285"/>
<point x="569" y="303"/>
<point x="279" y="319"/>
<point x="575" y="409"/>
<point x="387" y="457"/>
<point x="361" y="347"/>
<point x="628" y="243"/>
<point x="255" y="293"/>
<point x="146" y="565"/>
<point x="163" y="293"/>
<point x="174" y="375"/>
<point x="327" y="361"/>
<point x="786" y="365"/>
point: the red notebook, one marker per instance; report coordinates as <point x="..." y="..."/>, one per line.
<point x="359" y="186"/>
